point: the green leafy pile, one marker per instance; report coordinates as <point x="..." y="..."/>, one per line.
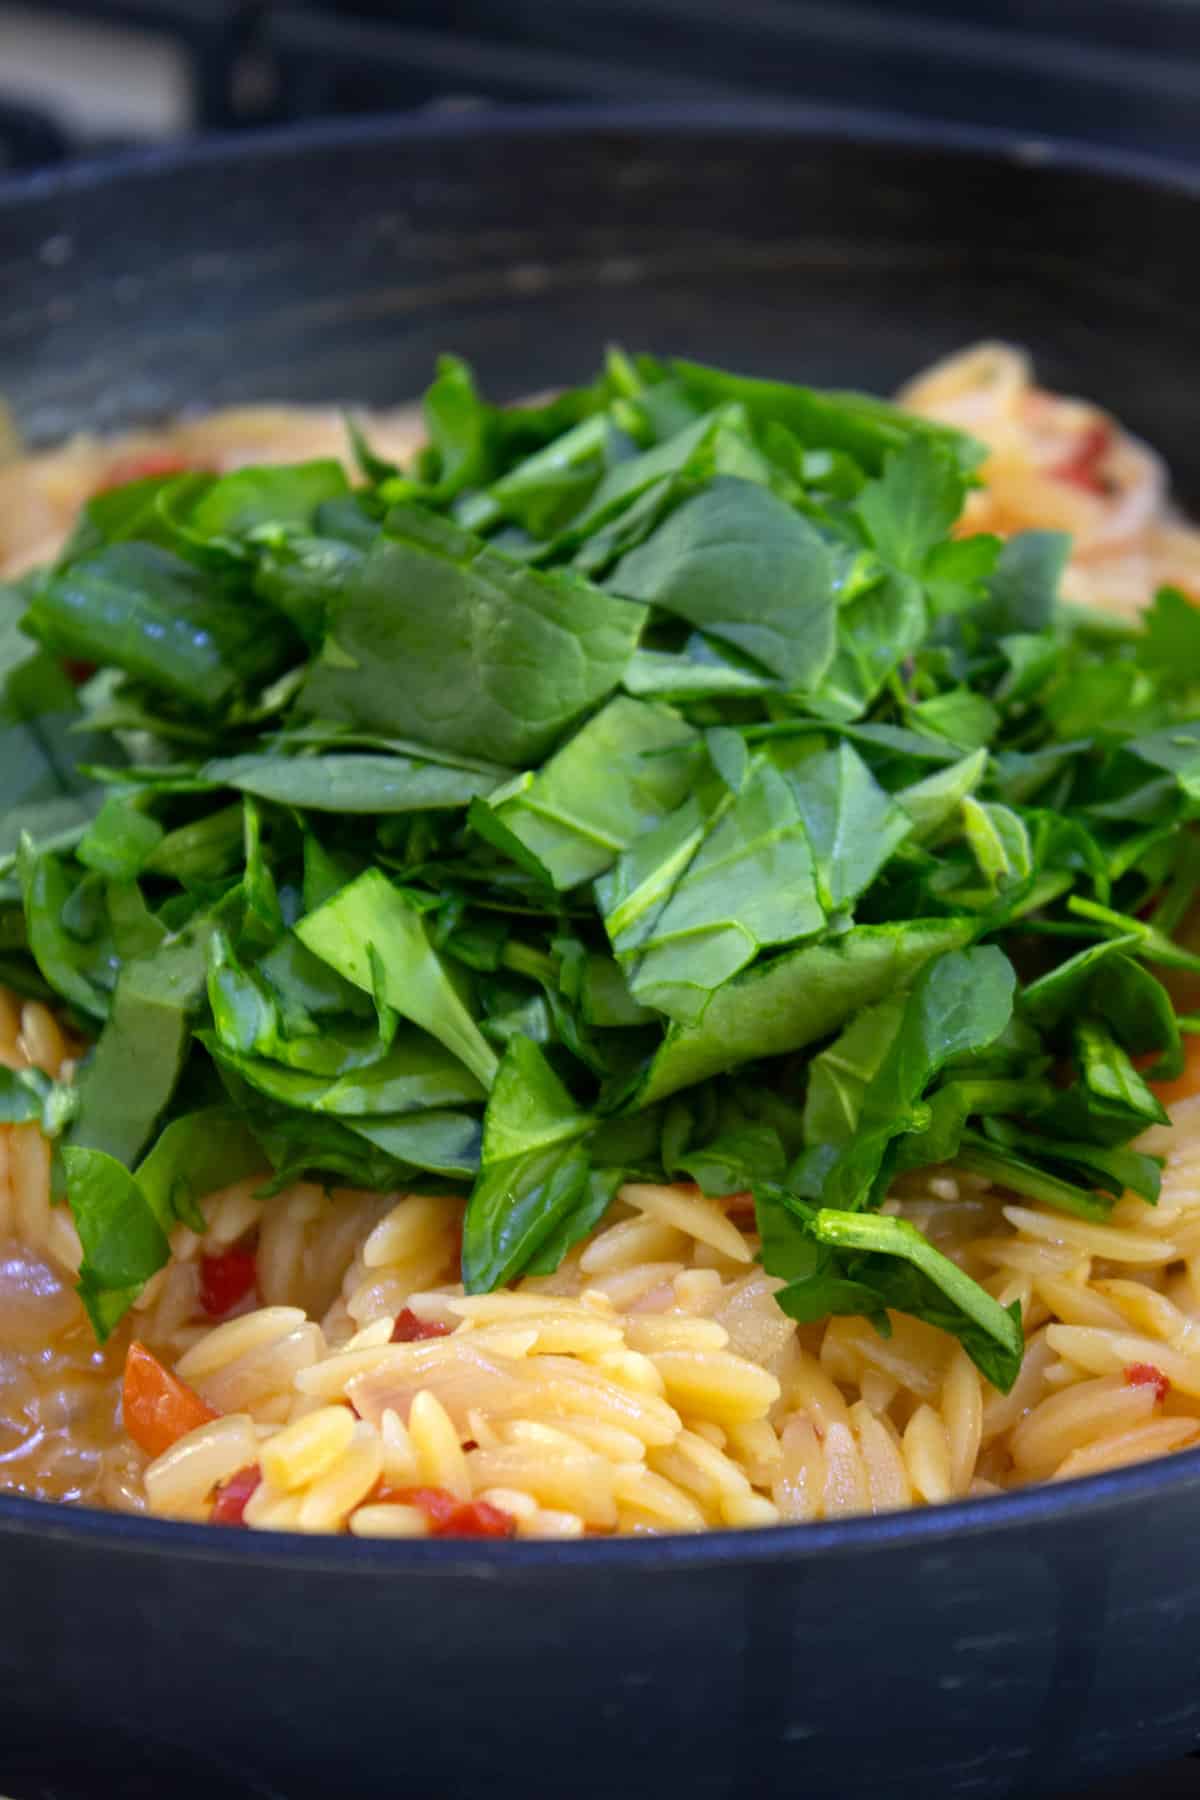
<point x="645" y="784"/>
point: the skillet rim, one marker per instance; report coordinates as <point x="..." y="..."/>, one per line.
<point x="84" y="1528"/>
<point x="860" y="125"/>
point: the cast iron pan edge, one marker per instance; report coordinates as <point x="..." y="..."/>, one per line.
<point x="1013" y="1513"/>
<point x="844" y="123"/>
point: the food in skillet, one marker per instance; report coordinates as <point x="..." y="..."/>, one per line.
<point x="624" y="970"/>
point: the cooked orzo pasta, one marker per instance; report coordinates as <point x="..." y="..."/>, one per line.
<point x="548" y="1210"/>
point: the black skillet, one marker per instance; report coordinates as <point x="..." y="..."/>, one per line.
<point x="1009" y="1646"/>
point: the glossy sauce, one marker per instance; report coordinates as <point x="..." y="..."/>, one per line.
<point x="60" y="1431"/>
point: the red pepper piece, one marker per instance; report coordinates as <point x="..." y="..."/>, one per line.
<point x="438" y="1504"/>
<point x="140" y="468"/>
<point x="1080" y="468"/>
<point x="480" y="1519"/>
<point x="226" y="1278"/>
<point x="229" y="1507"/>
<point x="1147" y="1375"/>
<point x="408" y="1328"/>
<point x="158" y="1408"/>
<point x="450" y="1517"/>
<point x="739" y="1210"/>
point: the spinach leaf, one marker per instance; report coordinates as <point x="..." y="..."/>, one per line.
<point x="458" y="423"/>
<point x="132" y="511"/>
<point x="350" y="783"/>
<point x="866" y="428"/>
<point x="1110" y="1075"/>
<point x="1104" y="981"/>
<point x="852" y="824"/>
<point x="302" y="577"/>
<point x="999" y="843"/>
<point x="439" y="634"/>
<point x="1148" y="941"/>
<point x="703" y="669"/>
<point x="128" y="1079"/>
<point x="933" y="802"/>
<point x="752" y="851"/>
<point x="415" y="1075"/>
<point x="577" y="1222"/>
<point x="200" y="852"/>
<point x="734" y="1161"/>
<point x="1064" y="990"/>
<point x="954" y="1103"/>
<point x="886" y="1264"/>
<point x="1023" y="590"/>
<point x="160" y="619"/>
<point x="744" y="567"/>
<point x="119" y="840"/>
<point x="611" y="783"/>
<point x="876" y="631"/>
<point x="123" y="1239"/>
<point x="839" y="1077"/>
<point x="247" y="500"/>
<point x="489" y="826"/>
<point x="910" y="507"/>
<point x="28" y="1097"/>
<point x="64" y="959"/>
<point x="1007" y="1168"/>
<point x="1176" y="748"/>
<point x="960" y="1003"/>
<point x="1169" y="649"/>
<point x="371" y="912"/>
<point x="792" y="1000"/>
<point x="654" y="477"/>
<point x="444" y="1142"/>
<point x="195" y="1155"/>
<point x="968" y="719"/>
<point x="536" y="1174"/>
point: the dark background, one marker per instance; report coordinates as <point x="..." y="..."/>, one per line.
<point x="79" y="77"/>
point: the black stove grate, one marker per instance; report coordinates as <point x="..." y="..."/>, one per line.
<point x="1124" y="72"/>
<point x="28" y="139"/>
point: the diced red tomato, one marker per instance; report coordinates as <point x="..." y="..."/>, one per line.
<point x="451" y="1517"/>
<point x="77" y="671"/>
<point x="1185" y="1085"/>
<point x="409" y="1327"/>
<point x="159" y="1408"/>
<point x="438" y="1504"/>
<point x="740" y="1209"/>
<point x="141" y="468"/>
<point x="227" y="1278"/>
<point x="480" y="1519"/>
<point x="229" y="1507"/>
<point x="1147" y="1375"/>
<point x="1081" y="468"/>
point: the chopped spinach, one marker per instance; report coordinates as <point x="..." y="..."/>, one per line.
<point x="644" y="782"/>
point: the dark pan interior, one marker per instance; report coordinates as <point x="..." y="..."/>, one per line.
<point x="337" y="265"/>
<point x="1015" y="1647"/>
